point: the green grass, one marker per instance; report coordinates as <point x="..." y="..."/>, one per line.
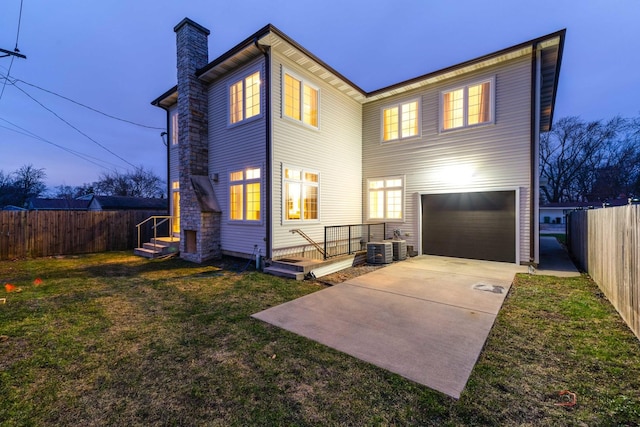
<point x="112" y="339"/>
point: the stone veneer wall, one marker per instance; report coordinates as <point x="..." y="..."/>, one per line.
<point x="201" y="228"/>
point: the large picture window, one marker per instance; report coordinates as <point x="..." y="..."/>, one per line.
<point x="301" y="194"/>
<point x="244" y="195"/>
<point x="469" y="105"/>
<point x="300" y="100"/>
<point x="401" y="121"/>
<point x="244" y="98"/>
<point x="386" y="198"/>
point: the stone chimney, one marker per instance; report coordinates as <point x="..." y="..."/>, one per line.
<point x="200" y="228"/>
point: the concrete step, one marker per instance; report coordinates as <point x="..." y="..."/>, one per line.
<point x="147" y="253"/>
<point x="284" y="272"/>
<point x="158" y="247"/>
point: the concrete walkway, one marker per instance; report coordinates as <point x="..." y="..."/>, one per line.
<point x="554" y="259"/>
<point x="426" y="318"/>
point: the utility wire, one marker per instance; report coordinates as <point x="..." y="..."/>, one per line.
<point x="73" y="127"/>
<point x="88" y="107"/>
<point x="15" y="50"/>
<point x="7" y="78"/>
<point x="19" y="22"/>
<point x="16" y="80"/>
<point x="30" y="134"/>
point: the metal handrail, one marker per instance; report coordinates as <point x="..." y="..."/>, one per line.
<point x="155" y="219"/>
<point x="310" y="240"/>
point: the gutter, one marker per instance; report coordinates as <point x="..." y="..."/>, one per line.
<point x="268" y="148"/>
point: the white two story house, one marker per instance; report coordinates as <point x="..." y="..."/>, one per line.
<point x="268" y="139"/>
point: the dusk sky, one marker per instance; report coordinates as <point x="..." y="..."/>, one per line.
<point x="116" y="56"/>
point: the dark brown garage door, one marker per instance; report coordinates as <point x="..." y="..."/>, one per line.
<point x="470" y="225"/>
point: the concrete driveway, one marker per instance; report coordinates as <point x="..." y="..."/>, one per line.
<point x="426" y="318"/>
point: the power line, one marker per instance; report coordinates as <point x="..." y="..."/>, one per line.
<point x="16" y="80"/>
<point x="74" y="128"/>
<point x="19" y="22"/>
<point x="7" y="78"/>
<point x="88" y="107"/>
<point x="14" y="53"/>
<point x="30" y="134"/>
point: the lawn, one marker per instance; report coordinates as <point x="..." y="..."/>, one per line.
<point x="112" y="339"/>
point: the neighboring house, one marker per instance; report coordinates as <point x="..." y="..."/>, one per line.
<point x="123" y="203"/>
<point x="12" y="208"/>
<point x="556" y="213"/>
<point x="41" y="204"/>
<point x="267" y="138"/>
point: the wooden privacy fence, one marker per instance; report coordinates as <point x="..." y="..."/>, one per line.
<point x="606" y="243"/>
<point x="47" y="233"/>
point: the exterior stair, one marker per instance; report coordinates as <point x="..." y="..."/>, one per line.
<point x="158" y="247"/>
<point x="298" y="268"/>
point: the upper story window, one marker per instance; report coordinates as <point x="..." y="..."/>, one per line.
<point x="174" y="127"/>
<point x="244" y="98"/>
<point x="301" y="194"/>
<point x="469" y="105"/>
<point x="244" y="195"/>
<point x="300" y="100"/>
<point x="386" y="198"/>
<point x="401" y="121"/>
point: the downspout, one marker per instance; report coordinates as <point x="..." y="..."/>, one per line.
<point x="269" y="152"/>
<point x="535" y="147"/>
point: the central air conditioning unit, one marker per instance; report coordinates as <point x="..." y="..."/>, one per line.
<point x="399" y="249"/>
<point x="379" y="252"/>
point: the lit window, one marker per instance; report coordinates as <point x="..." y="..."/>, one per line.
<point x="385" y="198"/>
<point x="300" y="100"/>
<point x="300" y="194"/>
<point x="244" y="98"/>
<point x="468" y="106"/>
<point x="174" y="127"/>
<point x="244" y="195"/>
<point x="401" y="121"/>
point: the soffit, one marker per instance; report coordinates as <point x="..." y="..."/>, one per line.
<point x="305" y="60"/>
<point x="550" y="57"/>
<point x="446" y="74"/>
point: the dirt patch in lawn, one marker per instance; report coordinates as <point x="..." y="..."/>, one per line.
<point x="348" y="273"/>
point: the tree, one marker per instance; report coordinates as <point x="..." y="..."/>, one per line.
<point x="136" y="183"/>
<point x="589" y="161"/>
<point x="18" y="187"/>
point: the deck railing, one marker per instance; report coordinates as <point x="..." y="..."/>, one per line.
<point x="158" y="220"/>
<point x="349" y="239"/>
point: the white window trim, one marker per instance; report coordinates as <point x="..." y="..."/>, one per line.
<point x="303" y="82"/>
<point x="284" y="202"/>
<point x="242" y="79"/>
<point x="418" y="101"/>
<point x="403" y="195"/>
<point x="492" y="103"/>
<point x="244" y="183"/>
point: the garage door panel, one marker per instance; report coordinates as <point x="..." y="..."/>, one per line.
<point x="470" y="225"/>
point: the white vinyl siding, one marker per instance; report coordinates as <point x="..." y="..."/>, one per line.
<point x="479" y="158"/>
<point x="334" y="151"/>
<point x="236" y="148"/>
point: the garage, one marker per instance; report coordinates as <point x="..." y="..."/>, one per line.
<point x="478" y="225"/>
